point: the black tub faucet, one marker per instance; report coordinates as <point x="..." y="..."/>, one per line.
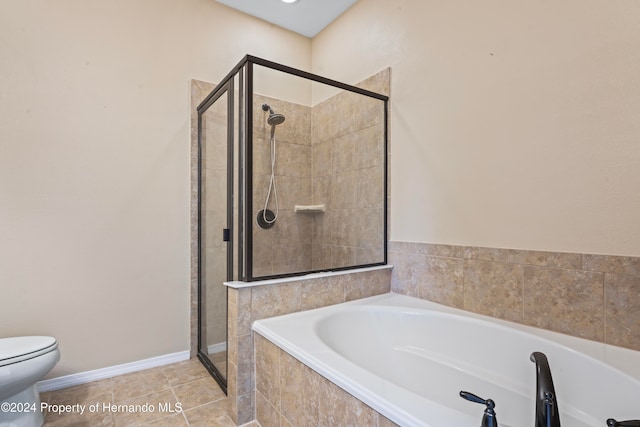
<point x="547" y="414"/>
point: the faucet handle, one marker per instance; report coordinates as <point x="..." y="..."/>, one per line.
<point x="629" y="423"/>
<point x="489" y="419"/>
<point x="473" y="398"/>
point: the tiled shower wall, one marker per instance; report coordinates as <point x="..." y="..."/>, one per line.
<point x="596" y="297"/>
<point x="286" y="246"/>
<point x="331" y="154"/>
<point x="348" y="176"/>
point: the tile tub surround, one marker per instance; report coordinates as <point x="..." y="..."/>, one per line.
<point x="596" y="297"/>
<point x="250" y="303"/>
<point x="288" y="393"/>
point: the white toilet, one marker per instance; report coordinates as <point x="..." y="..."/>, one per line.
<point x="23" y="362"/>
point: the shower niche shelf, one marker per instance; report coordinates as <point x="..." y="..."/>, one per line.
<point x="309" y="208"/>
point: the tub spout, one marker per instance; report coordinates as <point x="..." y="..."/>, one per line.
<point x="547" y="414"/>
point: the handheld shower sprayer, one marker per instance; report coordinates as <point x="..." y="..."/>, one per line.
<point x="266" y="218"/>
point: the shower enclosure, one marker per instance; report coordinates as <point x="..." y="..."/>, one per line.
<point x="292" y="179"/>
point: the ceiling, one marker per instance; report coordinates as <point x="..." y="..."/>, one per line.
<point x="306" y="17"/>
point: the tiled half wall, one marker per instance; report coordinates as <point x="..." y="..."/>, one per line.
<point x="248" y="304"/>
<point x="596" y="297"/>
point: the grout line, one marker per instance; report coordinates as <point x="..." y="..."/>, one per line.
<point x="522" y="319"/>
<point x="176" y="397"/>
<point x="604" y="308"/>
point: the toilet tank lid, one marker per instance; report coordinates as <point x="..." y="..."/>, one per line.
<point x="16" y="347"/>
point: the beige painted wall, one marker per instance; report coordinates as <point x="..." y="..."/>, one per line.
<point x="514" y="124"/>
<point x="94" y="166"/>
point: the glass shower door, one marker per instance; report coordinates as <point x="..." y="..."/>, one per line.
<point x="215" y="121"/>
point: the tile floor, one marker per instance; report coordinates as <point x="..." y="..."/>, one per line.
<point x="128" y="400"/>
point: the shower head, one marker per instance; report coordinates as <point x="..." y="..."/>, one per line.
<point x="274" y="119"/>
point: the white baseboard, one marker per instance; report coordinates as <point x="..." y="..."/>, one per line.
<point x="217" y="347"/>
<point x="112" y="371"/>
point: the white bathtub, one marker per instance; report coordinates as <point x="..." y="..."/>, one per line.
<point x="408" y="359"/>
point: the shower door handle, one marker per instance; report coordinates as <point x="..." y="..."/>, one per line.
<point x="226" y="234"/>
